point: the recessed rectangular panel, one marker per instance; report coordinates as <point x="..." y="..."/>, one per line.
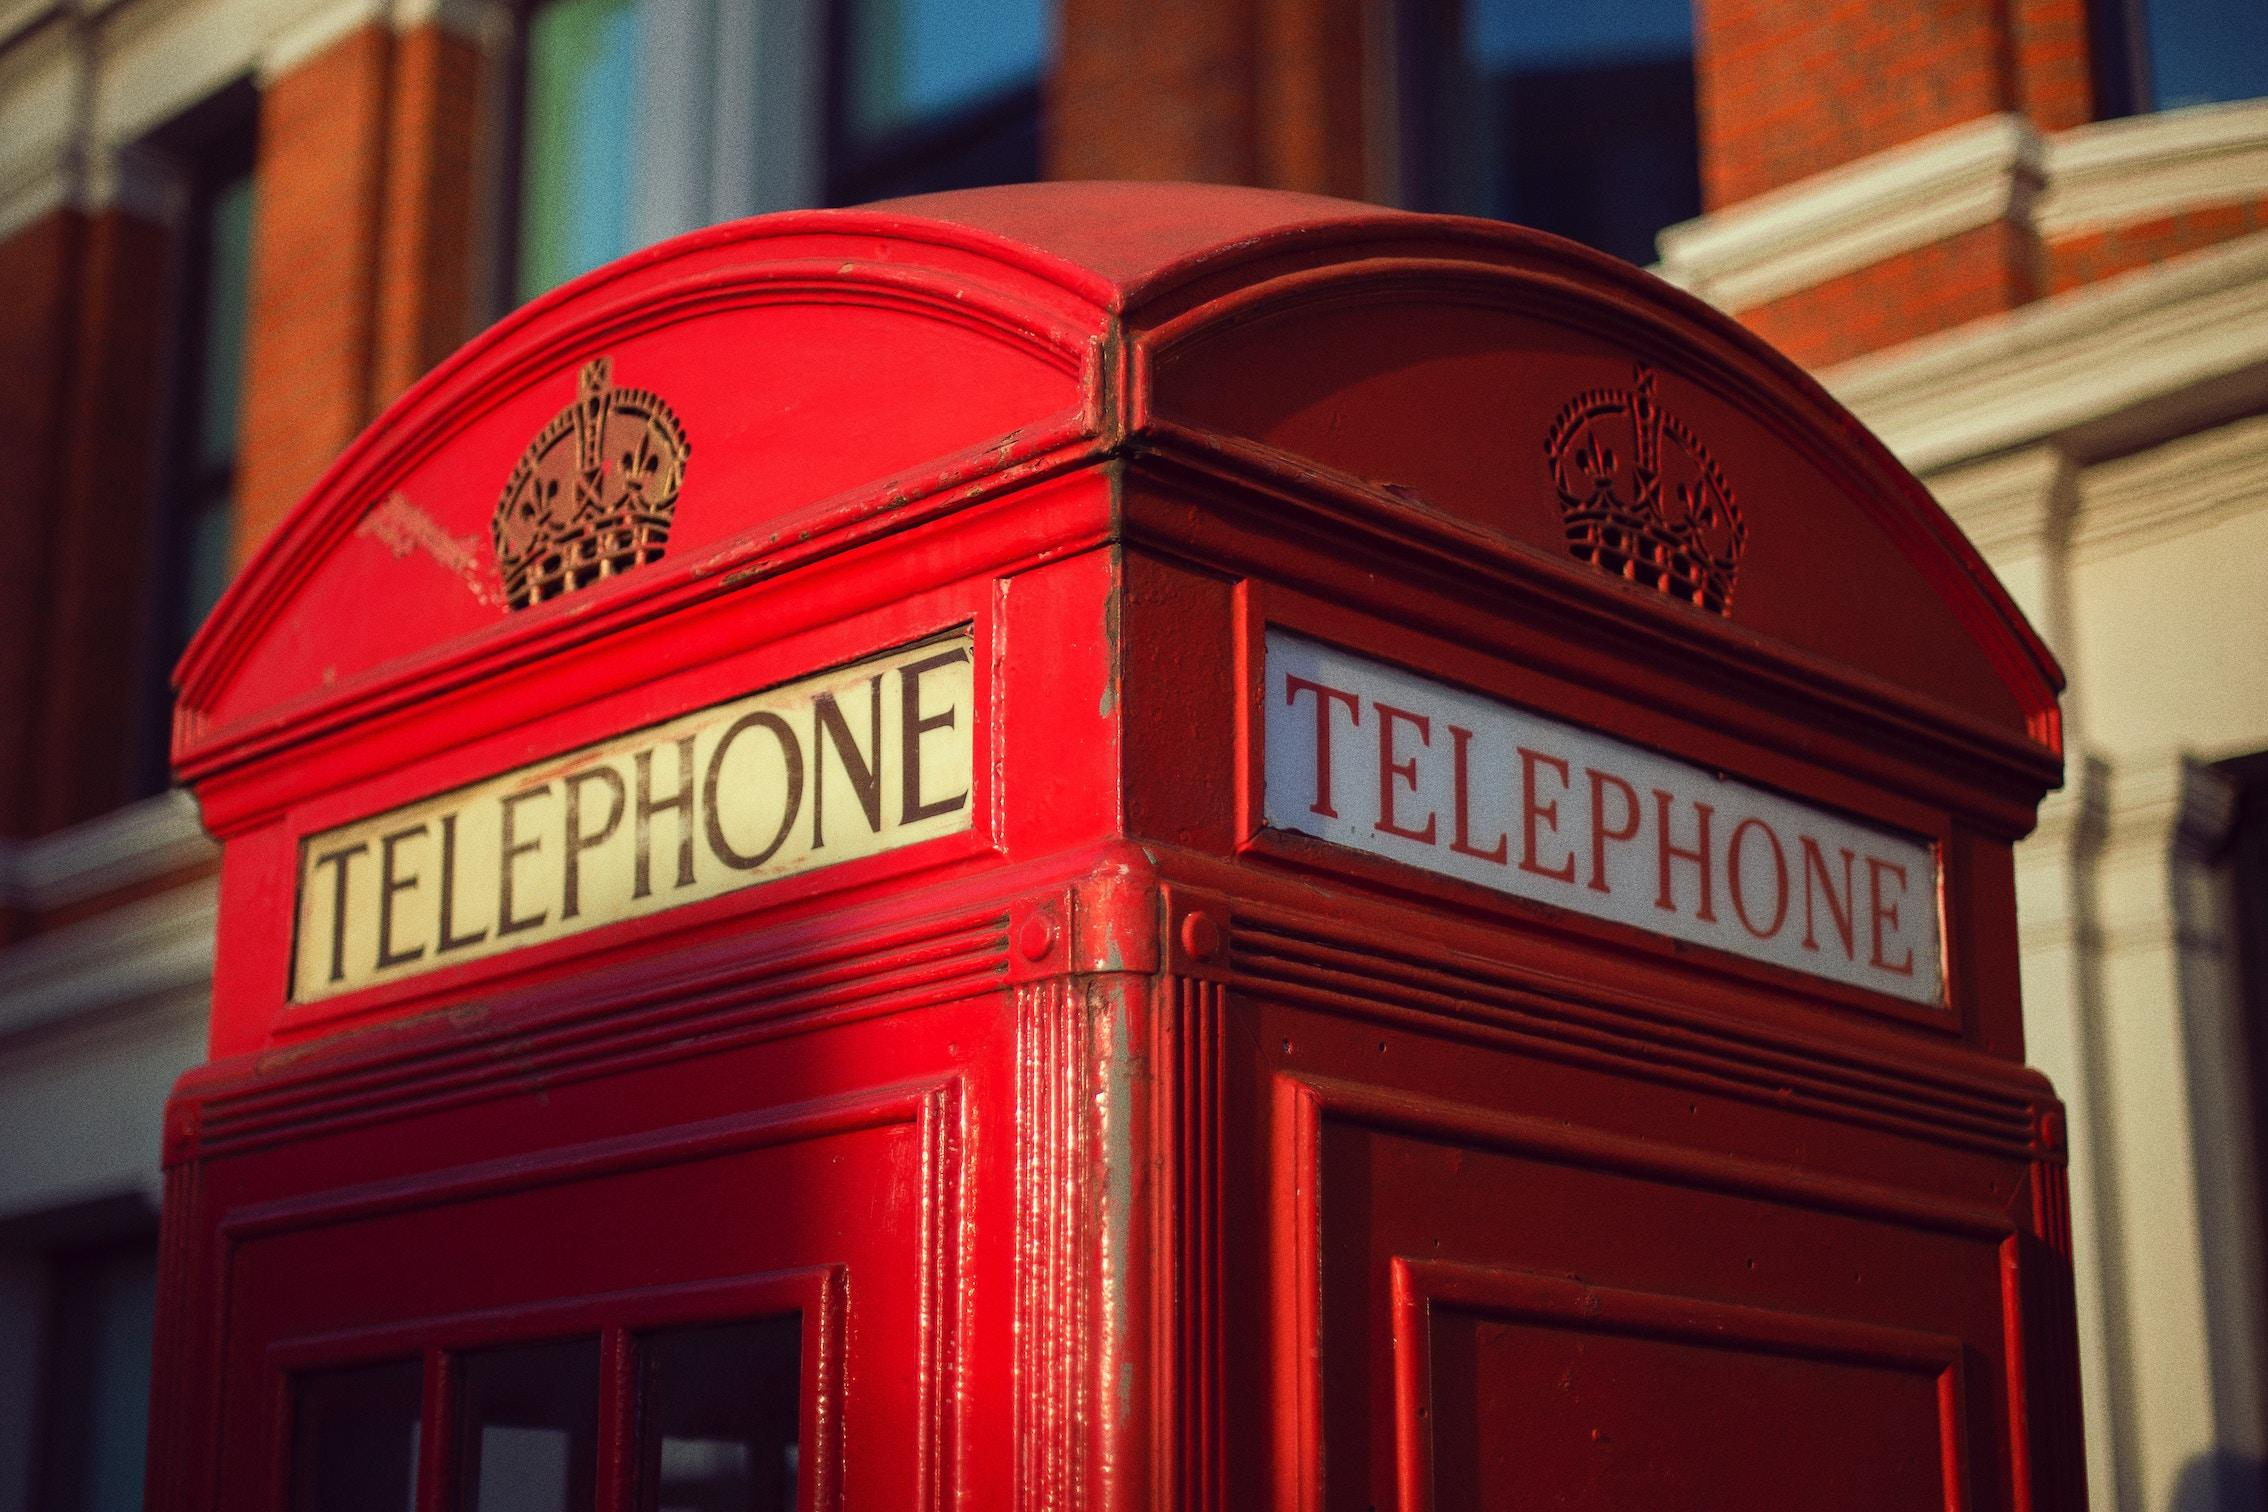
<point x="1387" y="761"/>
<point x="1542" y="1392"/>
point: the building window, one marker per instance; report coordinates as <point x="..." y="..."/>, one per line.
<point x="1574" y="119"/>
<point x="641" y="119"/>
<point x="2166" y="54"/>
<point x="95" y="1402"/>
<point x="211" y="151"/>
<point x="2201" y="51"/>
<point x="580" y="59"/>
<point x="934" y="94"/>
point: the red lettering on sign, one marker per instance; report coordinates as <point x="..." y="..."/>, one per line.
<point x="1531" y="811"/>
<point x="1815" y="865"/>
<point x="1389" y="769"/>
<point x="1876" y="867"/>
<point x="1699" y="856"/>
<point x="1600" y="833"/>
<point x="1293" y="687"/>
<point x="1779" y="878"/>
<point x="1459" y="738"/>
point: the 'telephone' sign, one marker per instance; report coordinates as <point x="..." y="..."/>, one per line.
<point x="1383" y="760"/>
<point x="846" y="764"/>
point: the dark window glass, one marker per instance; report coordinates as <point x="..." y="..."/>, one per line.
<point x="718" y="1414"/>
<point x="1574" y="119"/>
<point x="2200" y="51"/>
<point x="98" y="1380"/>
<point x="934" y="94"/>
<point x="354" y="1439"/>
<point x="528" y="1440"/>
<point x="213" y="147"/>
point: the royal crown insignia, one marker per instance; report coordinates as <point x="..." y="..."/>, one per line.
<point x="594" y="493"/>
<point x="1641" y="498"/>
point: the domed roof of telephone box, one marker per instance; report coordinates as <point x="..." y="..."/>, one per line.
<point x="751" y="397"/>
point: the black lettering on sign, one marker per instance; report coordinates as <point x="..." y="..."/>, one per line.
<point x="790" y="753"/>
<point x="912" y="809"/>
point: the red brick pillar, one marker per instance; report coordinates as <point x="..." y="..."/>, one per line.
<point x="1789" y="88"/>
<point x="98" y="619"/>
<point x="362" y="249"/>
<point x="38" y="269"/>
<point x="427" y="304"/>
<point x="1262" y="92"/>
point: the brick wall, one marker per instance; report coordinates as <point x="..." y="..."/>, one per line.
<point x="2087" y="258"/>
<point x="1262" y="92"/>
<point x="1788" y="90"/>
<point x="362" y="251"/>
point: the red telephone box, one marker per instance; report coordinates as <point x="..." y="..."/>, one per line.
<point x="1116" y="846"/>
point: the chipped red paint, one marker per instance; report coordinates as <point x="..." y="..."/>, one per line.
<point x="1118" y="1150"/>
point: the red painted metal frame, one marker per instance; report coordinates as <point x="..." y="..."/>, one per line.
<point x="1122" y="1138"/>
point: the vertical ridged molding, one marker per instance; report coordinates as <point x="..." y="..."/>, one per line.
<point x="1058" y="1270"/>
<point x="1189" y="1092"/>
<point x="182" y="1428"/>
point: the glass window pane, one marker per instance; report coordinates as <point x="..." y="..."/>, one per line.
<point x="99" y="1381"/>
<point x="579" y="103"/>
<point x="529" y="1435"/>
<point x="2207" y="50"/>
<point x="354" y="1439"/>
<point x="1575" y="119"/>
<point x="917" y="61"/>
<point x="228" y="282"/>
<point x="719" y="1409"/>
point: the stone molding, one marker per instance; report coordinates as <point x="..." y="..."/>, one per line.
<point x="2186" y="484"/>
<point x="2115" y="173"/>
<point x="138" y="843"/>
<point x="2014" y="504"/>
<point x="1998" y="167"/>
<point x="1861" y="213"/>
<point x="80" y="87"/>
<point x="155" y="948"/>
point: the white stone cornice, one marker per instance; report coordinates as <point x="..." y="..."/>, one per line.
<point x="42" y="95"/>
<point x="483" y="22"/>
<point x="2090" y="178"/>
<point x="2011" y="503"/>
<point x="2144" y="167"/>
<point x="2184" y="484"/>
<point x="2049" y="368"/>
<point x="310" y="32"/>
<point x="486" y="23"/>
<point x="117" y="958"/>
<point x="1848" y="217"/>
<point x="135" y="844"/>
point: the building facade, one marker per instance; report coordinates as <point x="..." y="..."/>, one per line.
<point x="2026" y="240"/>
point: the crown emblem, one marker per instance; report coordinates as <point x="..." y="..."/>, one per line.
<point x="1641" y="497"/>
<point x="594" y="493"/>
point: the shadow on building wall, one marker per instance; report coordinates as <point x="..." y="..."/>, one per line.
<point x="2221" y="1482"/>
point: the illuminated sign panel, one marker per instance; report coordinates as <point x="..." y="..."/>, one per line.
<point x="845" y="764"/>
<point x="1381" y="759"/>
